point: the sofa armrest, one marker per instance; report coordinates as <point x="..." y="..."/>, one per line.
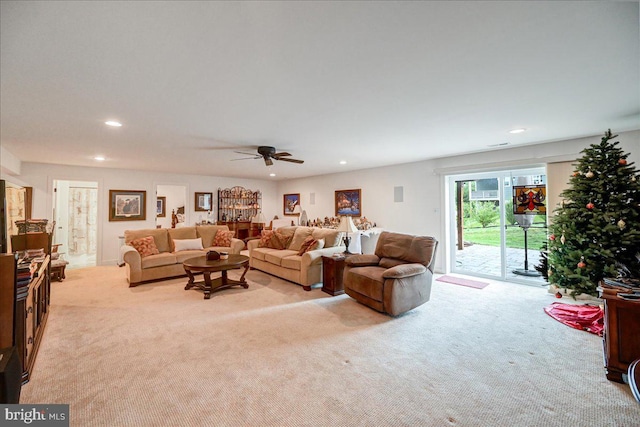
<point x="236" y="245"/>
<point x="404" y="270"/>
<point x="362" y="260"/>
<point x="315" y="256"/>
<point x="252" y="244"/>
<point x="131" y="257"/>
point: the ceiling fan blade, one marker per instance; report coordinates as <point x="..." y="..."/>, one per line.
<point x="268" y="161"/>
<point x="245" y="158"/>
<point x="292" y="160"/>
<point x="278" y="155"/>
<point x="255" y="156"/>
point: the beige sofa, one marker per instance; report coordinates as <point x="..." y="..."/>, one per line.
<point x="305" y="269"/>
<point x="168" y="263"/>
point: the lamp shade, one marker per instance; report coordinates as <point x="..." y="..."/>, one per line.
<point x="347" y="225"/>
<point x="259" y="218"/>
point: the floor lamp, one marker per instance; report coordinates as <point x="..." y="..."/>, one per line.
<point x="347" y="226"/>
<point x="525" y="221"/>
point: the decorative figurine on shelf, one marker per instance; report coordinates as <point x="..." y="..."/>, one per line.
<point x="224" y="217"/>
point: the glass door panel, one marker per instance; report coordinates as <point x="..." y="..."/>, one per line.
<point x="487" y="237"/>
<point x="478" y="227"/>
<point x="525" y="233"/>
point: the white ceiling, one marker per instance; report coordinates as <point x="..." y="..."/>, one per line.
<point x="372" y="83"/>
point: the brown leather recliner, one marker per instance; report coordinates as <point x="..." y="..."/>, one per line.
<point x="397" y="278"/>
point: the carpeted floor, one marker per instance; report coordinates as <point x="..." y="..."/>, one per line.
<point x="275" y="355"/>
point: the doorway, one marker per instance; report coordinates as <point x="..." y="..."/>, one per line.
<point x="487" y="239"/>
<point x="76" y="215"/>
<point x="171" y="199"/>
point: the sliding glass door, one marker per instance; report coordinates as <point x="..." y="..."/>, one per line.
<point x="487" y="239"/>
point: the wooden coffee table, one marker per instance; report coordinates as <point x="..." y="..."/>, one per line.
<point x="201" y="265"/>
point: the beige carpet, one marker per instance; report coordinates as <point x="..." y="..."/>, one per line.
<point x="275" y="355"/>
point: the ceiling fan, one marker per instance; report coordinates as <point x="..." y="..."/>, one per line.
<point x="268" y="153"/>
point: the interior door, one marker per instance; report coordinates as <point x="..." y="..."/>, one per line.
<point x="76" y="216"/>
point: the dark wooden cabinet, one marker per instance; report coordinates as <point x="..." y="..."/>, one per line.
<point x="32" y="311"/>
<point x="7" y="299"/>
<point x="621" y="334"/>
<point x="332" y="269"/>
<point x="32" y="301"/>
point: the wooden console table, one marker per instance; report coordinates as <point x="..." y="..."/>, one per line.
<point x="621" y="336"/>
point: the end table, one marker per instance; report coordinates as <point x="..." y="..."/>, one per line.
<point x="332" y="268"/>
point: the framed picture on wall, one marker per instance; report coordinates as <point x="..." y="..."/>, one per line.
<point x="290" y="201"/>
<point x="348" y="203"/>
<point x="161" y="207"/>
<point x="203" y="201"/>
<point x="127" y="205"/>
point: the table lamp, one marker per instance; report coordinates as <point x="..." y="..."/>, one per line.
<point x="347" y="226"/>
<point x="260" y="220"/>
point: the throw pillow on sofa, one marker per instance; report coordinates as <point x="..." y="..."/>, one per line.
<point x="265" y="237"/>
<point x="279" y="241"/>
<point x="145" y="246"/>
<point x="310" y="244"/>
<point x="187" y="244"/>
<point x="300" y="235"/>
<point x="223" y="238"/>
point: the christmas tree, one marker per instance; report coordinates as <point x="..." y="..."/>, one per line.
<point x="597" y="228"/>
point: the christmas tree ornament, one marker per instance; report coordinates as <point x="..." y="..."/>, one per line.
<point x="589" y="174"/>
<point x="590" y="205"/>
<point x="552" y="237"/>
<point x="621" y="224"/>
<point x="582" y="264"/>
<point x="562" y="239"/>
<point x="622" y="161"/>
<point x="575" y="173"/>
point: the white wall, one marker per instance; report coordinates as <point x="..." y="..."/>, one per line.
<point x="421" y="212"/>
<point x="40" y="176"/>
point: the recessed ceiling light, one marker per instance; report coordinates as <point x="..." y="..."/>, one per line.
<point x="113" y="123"/>
<point x="343" y="162"/>
<point x="517" y="130"/>
<point x="272" y="174"/>
<point x="99" y="158"/>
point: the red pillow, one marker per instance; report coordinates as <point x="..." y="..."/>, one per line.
<point x="265" y="237"/>
<point x="145" y="246"/>
<point x="223" y="238"/>
<point x="309" y="244"/>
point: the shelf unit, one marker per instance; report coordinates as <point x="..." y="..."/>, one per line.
<point x="238" y="204"/>
<point x="32" y="301"/>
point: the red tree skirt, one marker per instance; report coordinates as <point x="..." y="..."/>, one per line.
<point x="584" y="317"/>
